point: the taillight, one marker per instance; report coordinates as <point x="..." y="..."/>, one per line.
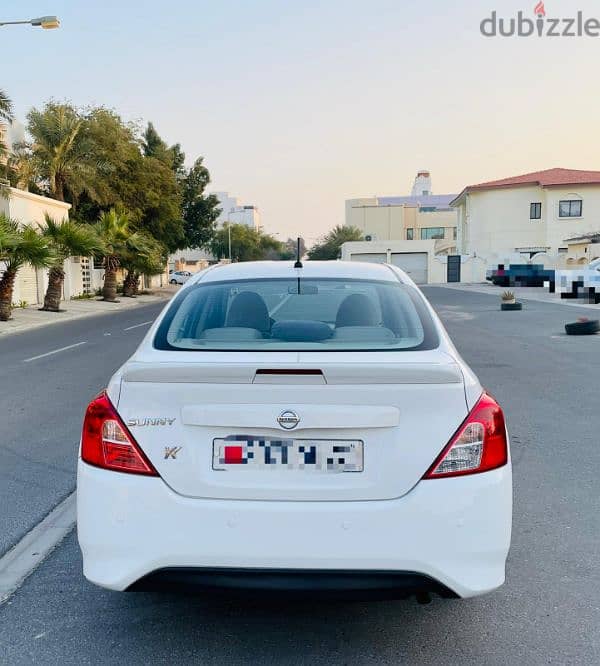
<point x="479" y="445"/>
<point x="106" y="442"/>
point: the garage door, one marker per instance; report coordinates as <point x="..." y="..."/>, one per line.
<point x="27" y="280"/>
<point x="371" y="257"/>
<point x="412" y="263"/>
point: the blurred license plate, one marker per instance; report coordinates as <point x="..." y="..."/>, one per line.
<point x="239" y="452"/>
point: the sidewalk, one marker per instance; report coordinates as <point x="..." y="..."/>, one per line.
<point x="26" y="319"/>
<point x="539" y="294"/>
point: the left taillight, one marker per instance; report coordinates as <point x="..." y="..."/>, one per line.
<point x="479" y="445"/>
<point x="106" y="442"/>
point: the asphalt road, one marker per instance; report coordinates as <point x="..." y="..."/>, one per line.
<point x="548" y="612"/>
<point x="42" y="403"/>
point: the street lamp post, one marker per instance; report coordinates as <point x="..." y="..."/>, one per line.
<point x="229" y="230"/>
<point x="45" y="22"/>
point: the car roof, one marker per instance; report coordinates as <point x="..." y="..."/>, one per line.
<point x="310" y="269"/>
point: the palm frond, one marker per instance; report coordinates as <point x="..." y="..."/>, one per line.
<point x="20" y="245"/>
<point x="6" y="107"/>
<point x="68" y="238"/>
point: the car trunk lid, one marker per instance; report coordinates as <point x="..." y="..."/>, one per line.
<point x="404" y="408"/>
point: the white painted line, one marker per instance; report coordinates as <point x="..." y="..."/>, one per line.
<point x="55" y="351"/>
<point x="35" y="546"/>
<point x="137" y="326"/>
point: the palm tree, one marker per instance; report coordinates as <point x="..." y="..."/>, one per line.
<point x="62" y="153"/>
<point x="144" y="256"/>
<point x="67" y="239"/>
<point x="18" y="246"/>
<point x="113" y="231"/>
<point x="6" y="107"/>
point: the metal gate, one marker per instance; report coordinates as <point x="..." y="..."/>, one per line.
<point x="453" y="268"/>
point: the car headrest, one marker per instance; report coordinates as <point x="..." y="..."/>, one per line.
<point x="356" y="310"/>
<point x="248" y="310"/>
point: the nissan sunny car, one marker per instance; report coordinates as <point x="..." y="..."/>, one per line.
<point x="304" y="429"/>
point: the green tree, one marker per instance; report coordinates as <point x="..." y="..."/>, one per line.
<point x="199" y="211"/>
<point x="155" y="203"/>
<point x="18" y="246"/>
<point x="290" y="248"/>
<point x="144" y="255"/>
<point x="154" y="146"/>
<point x="114" y="234"/>
<point x="66" y="239"/>
<point x="62" y="153"/>
<point x="145" y="186"/>
<point x="246" y="244"/>
<point x="6" y="107"/>
<point x="329" y="246"/>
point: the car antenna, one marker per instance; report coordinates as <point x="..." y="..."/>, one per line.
<point x="298" y="263"/>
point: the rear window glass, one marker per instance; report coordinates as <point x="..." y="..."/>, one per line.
<point x="297" y="315"/>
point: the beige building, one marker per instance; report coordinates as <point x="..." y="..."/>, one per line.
<point x="528" y="214"/>
<point x="422" y="216"/>
<point x="582" y="249"/>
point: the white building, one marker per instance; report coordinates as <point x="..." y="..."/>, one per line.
<point x="31" y="283"/>
<point x="525" y="215"/>
<point x="233" y="212"/>
<point x="422" y="184"/>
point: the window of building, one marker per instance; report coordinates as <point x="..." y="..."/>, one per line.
<point x="410" y="234"/>
<point x="430" y="233"/>
<point x="535" y="211"/>
<point x="570" y="208"/>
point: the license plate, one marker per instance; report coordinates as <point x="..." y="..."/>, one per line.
<point x="240" y="452"/>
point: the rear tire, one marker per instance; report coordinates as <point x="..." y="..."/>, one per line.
<point x="173" y="281"/>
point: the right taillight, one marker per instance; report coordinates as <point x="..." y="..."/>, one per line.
<point x="479" y="445"/>
<point x="106" y="442"/>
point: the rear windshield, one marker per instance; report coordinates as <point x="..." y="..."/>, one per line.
<point x="297" y="315"/>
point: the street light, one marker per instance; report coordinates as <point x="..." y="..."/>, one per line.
<point x="46" y="22"/>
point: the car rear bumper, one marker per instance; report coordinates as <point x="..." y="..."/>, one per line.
<point x="295" y="583"/>
<point x="454" y="533"/>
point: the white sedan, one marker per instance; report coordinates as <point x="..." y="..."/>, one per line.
<point x="179" y="277"/>
<point x="309" y="429"/>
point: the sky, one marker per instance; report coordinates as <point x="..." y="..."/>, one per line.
<point x="298" y="105"/>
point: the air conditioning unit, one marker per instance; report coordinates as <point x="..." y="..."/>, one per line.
<point x="370" y="237"/>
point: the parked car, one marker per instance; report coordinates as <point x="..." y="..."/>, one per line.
<point x="306" y="429"/>
<point x="179" y="277"/>
<point x="582" y="282"/>
<point x="522" y="275"/>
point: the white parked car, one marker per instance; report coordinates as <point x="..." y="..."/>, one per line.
<point x="179" y="277"/>
<point x="296" y="428"/>
<point x="582" y="282"/>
